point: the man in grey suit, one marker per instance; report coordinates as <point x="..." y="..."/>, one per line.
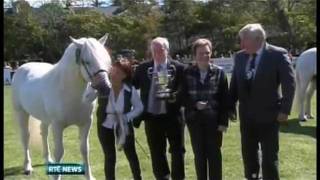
<point x="259" y="70"/>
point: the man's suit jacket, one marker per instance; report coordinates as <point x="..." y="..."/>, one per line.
<point x="142" y="81"/>
<point x="264" y="102"/>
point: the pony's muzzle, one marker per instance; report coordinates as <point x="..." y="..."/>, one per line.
<point x="100" y="83"/>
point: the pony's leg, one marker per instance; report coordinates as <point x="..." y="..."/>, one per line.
<point x="310" y="93"/>
<point x="84" y="131"/>
<point x="46" y="149"/>
<point x="23" y="121"/>
<point x="57" y="130"/>
<point x="303" y="84"/>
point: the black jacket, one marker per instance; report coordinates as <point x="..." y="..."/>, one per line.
<point x="214" y="90"/>
<point x="142" y="81"/>
<point x="103" y="102"/>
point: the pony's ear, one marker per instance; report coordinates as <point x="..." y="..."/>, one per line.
<point x="103" y="40"/>
<point x="76" y="42"/>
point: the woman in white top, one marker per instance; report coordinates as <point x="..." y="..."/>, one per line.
<point x="122" y="103"/>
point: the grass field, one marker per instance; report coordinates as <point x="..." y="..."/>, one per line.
<point x="297" y="151"/>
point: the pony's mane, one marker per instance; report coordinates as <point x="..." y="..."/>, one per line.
<point x="67" y="62"/>
<point x="69" y="54"/>
<point x="70" y="50"/>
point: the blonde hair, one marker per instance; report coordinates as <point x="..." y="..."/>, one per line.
<point x="198" y="43"/>
<point x="253" y="31"/>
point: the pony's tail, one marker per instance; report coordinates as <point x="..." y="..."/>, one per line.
<point x="35" y="132"/>
<point x="297" y="94"/>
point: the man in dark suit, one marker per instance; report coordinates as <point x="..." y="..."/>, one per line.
<point x="162" y="115"/>
<point x="259" y="70"/>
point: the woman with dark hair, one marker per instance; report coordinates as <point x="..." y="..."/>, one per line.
<point x="205" y="96"/>
<point x="123" y="99"/>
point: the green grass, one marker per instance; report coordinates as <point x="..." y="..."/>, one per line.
<point x="297" y="151"/>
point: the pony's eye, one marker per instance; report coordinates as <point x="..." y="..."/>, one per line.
<point x="86" y="62"/>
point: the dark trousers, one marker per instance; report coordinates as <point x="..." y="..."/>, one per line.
<point x="107" y="140"/>
<point x="158" y="129"/>
<point x="206" y="143"/>
<point x="267" y="134"/>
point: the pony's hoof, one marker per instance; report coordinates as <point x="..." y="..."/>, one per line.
<point x="49" y="161"/>
<point x="28" y="169"/>
<point x="91" y="178"/>
<point x="309" y="116"/>
<point x="303" y="120"/>
<point x="28" y="172"/>
<point x="57" y="177"/>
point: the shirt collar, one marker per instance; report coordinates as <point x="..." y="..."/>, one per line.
<point x="126" y="87"/>
<point x="162" y="64"/>
<point x="260" y="50"/>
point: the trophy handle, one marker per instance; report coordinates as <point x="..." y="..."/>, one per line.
<point x="172" y="72"/>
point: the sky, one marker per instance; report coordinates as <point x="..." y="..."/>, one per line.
<point x="37" y="3"/>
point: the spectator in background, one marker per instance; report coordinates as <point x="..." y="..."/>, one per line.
<point x="178" y="57"/>
<point x="119" y="57"/>
<point x="15" y="66"/>
<point x="7" y="74"/>
<point x="129" y="54"/>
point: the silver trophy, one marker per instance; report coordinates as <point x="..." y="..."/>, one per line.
<point x="163" y="91"/>
<point x="163" y="80"/>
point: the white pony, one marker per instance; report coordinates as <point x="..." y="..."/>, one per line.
<point x="306" y="72"/>
<point x="56" y="95"/>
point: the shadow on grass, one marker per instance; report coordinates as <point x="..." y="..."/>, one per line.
<point x="295" y="127"/>
<point x="18" y="170"/>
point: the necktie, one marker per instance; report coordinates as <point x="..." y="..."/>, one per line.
<point x="253" y="61"/>
<point x="251" y="72"/>
<point x="159" y="68"/>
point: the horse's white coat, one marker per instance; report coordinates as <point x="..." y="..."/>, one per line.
<point x="56" y="95"/>
<point x="306" y="71"/>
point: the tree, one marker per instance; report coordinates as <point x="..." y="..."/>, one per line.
<point x="44" y="32"/>
<point x="292" y="22"/>
<point x="220" y="22"/>
<point x="23" y="35"/>
<point x="52" y="17"/>
<point x="137" y="22"/>
<point x="85" y="23"/>
<point x="131" y="33"/>
<point x="177" y="22"/>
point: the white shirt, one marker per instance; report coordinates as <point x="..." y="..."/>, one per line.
<point x="203" y="75"/>
<point x="151" y="99"/>
<point x="118" y="106"/>
<point x="164" y="65"/>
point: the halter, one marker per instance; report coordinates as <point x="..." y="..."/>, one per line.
<point x="80" y="60"/>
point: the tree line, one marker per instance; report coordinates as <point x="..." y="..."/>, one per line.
<point x="44" y="32"/>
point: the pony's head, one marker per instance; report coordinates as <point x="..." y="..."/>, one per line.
<point x="94" y="61"/>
